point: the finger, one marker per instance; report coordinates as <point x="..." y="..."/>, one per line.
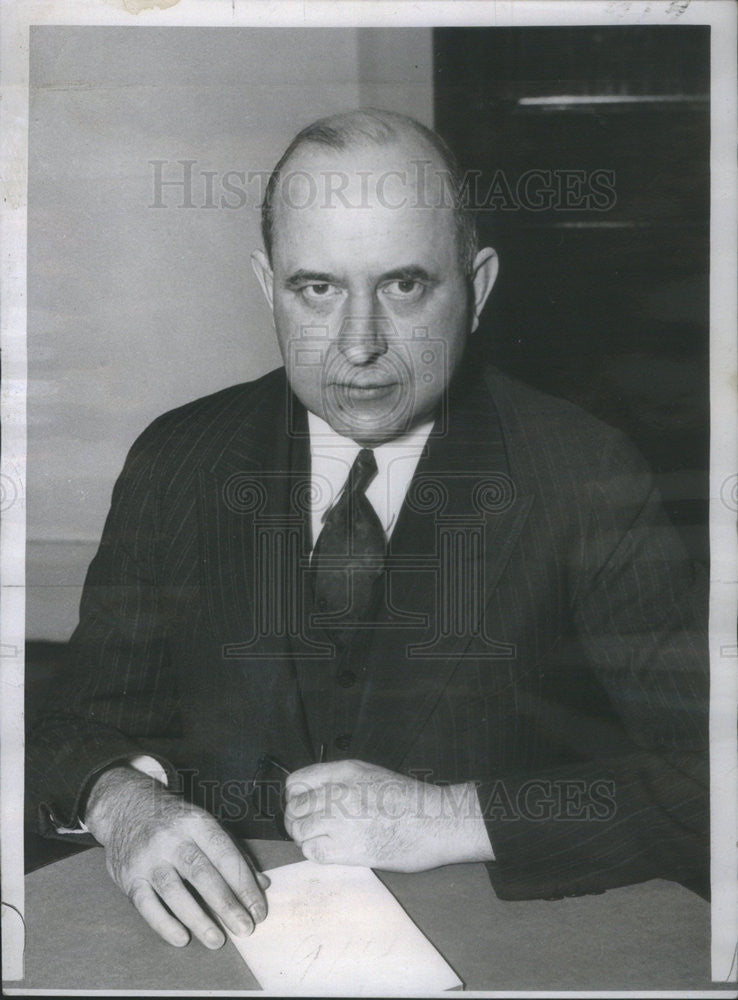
<point x="156" y="916"/>
<point x="304" y="828"/>
<point x="299" y="809"/>
<point x="236" y="870"/>
<point x="263" y="880"/>
<point x="312" y="777"/>
<point x="305" y="802"/>
<point x="337" y="845"/>
<point x="185" y="907"/>
<point x="197" y="868"/>
<point x="319" y="849"/>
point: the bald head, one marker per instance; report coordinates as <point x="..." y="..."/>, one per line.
<point x="423" y="166"/>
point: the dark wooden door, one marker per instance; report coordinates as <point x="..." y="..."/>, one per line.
<point x="587" y="151"/>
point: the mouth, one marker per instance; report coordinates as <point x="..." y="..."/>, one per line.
<point x="368" y="390"/>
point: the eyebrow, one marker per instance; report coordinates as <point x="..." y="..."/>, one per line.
<point x="302" y="277"/>
<point x="411" y="272"/>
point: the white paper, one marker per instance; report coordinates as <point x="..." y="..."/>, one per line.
<point x="334" y="929"/>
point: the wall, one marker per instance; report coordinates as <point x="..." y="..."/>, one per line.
<point x="134" y="309"/>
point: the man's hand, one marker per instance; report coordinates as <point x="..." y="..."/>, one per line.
<point x="155" y="844"/>
<point x="352" y="813"/>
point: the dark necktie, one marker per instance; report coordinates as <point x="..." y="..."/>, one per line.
<point x="350" y="551"/>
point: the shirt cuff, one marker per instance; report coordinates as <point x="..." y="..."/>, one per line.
<point x="151" y="766"/>
<point x="142" y="763"/>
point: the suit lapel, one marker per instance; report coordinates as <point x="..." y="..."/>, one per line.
<point x="253" y="519"/>
<point x="457" y="528"/>
<point x="234" y="496"/>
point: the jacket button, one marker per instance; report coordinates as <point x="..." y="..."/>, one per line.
<point x="343" y="741"/>
<point x="346" y="678"/>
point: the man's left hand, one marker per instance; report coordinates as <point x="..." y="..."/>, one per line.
<point x="353" y="813"/>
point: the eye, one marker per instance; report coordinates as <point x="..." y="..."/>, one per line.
<point x="319" y="290"/>
<point x="404" y="289"/>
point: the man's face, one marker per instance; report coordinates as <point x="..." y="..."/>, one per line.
<point x="370" y="300"/>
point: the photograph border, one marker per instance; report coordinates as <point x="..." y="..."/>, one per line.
<point x="18" y="16"/>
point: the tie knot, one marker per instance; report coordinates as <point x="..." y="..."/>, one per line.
<point x="362" y="471"/>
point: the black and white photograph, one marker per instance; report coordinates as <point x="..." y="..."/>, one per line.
<point x="369" y="498"/>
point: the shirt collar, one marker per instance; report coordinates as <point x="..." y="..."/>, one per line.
<point x="332" y="455"/>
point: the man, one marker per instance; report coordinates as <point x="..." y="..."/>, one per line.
<point x="449" y="605"/>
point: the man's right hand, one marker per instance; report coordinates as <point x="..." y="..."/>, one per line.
<point x="156" y="843"/>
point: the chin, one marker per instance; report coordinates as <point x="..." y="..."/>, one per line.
<point x="372" y="434"/>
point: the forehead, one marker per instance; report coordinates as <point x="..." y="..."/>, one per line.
<point x="367" y="201"/>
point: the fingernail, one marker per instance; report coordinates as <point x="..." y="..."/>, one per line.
<point x="181" y="940"/>
<point x="245" y="926"/>
<point x="258" y="912"/>
<point x="213" y="938"/>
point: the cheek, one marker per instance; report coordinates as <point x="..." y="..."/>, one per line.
<point x="290" y="330"/>
<point x="436" y="355"/>
<point x="300" y="325"/>
<point x="447" y="327"/>
<point x="303" y="348"/>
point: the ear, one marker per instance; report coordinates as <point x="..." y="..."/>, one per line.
<point x="484" y="274"/>
<point x="264" y="275"/>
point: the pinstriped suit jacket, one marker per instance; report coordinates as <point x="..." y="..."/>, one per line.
<point x="543" y="634"/>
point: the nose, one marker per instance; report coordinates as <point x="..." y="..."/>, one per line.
<point x="362" y="339"/>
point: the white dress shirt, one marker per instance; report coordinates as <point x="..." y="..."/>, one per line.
<point x="331" y="458"/>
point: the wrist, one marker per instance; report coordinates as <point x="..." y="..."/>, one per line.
<point x="466" y="836"/>
<point x="109" y="799"/>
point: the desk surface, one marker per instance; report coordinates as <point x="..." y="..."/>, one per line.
<point x="82" y="933"/>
